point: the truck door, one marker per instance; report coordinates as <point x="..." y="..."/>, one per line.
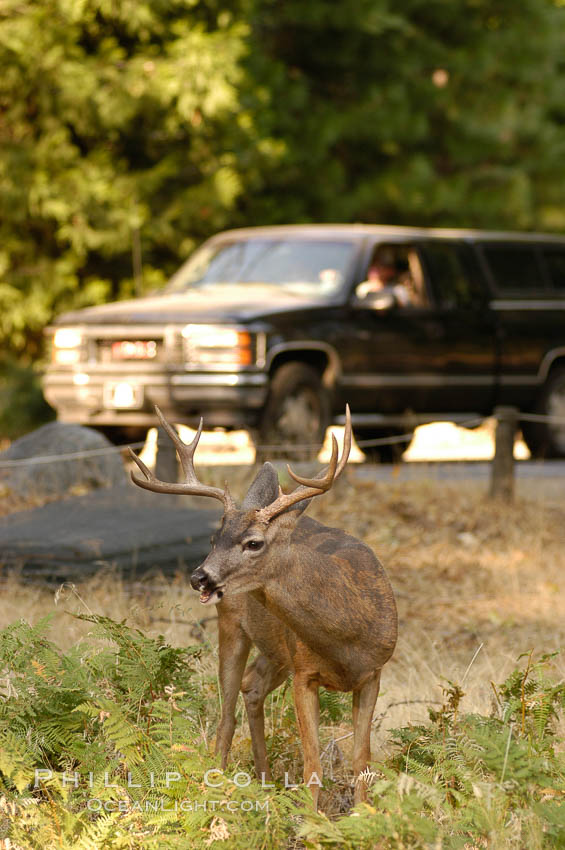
<point x="467" y="346"/>
<point x="433" y="350"/>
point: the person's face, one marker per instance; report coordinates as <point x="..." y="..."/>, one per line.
<point x="381" y="272"/>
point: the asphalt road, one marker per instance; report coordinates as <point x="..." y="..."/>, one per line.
<point x="458" y="469"/>
<point x="539" y="481"/>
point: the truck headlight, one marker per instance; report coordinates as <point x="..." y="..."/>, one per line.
<point x="67" y="343"/>
<point x="214" y="344"/>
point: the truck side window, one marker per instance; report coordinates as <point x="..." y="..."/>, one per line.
<point x="555" y="262"/>
<point x="454" y="273"/>
<point x="514" y="268"/>
<point x="395" y="268"/>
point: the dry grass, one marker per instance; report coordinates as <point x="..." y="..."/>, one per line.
<point x="477" y="583"/>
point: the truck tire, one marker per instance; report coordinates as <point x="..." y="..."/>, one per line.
<point x="547" y="439"/>
<point x="296" y="415"/>
<point x="386" y="453"/>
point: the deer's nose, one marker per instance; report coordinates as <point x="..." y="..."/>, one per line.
<point x="198" y="578"/>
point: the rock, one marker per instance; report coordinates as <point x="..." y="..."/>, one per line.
<point x="98" y="464"/>
<point x="123" y="527"/>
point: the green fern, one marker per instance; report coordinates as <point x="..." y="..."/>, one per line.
<point x="124" y="713"/>
<point x="334" y="706"/>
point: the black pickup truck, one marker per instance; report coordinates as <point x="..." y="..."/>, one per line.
<point x="275" y="328"/>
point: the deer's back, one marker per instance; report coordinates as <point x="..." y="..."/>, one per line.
<point x="347" y="587"/>
<point x="343" y="621"/>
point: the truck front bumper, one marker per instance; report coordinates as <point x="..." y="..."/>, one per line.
<point x="116" y="397"/>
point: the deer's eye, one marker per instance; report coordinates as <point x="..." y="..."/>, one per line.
<point x="253" y="545"/>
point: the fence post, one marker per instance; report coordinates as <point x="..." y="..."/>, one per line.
<point x="166" y="464"/>
<point x="502" y="467"/>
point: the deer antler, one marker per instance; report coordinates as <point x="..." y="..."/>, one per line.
<point x="310" y="487"/>
<point x="191" y="486"/>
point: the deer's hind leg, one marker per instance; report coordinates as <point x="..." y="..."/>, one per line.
<point x="307" y="706"/>
<point x="364" y="701"/>
<point x="260" y="678"/>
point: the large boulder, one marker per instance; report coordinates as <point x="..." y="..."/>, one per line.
<point x="59" y="457"/>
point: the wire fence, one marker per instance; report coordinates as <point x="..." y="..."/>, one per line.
<point x="395" y="439"/>
<point x="408" y="436"/>
<point x="41" y="459"/>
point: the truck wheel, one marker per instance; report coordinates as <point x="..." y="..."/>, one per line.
<point x="547" y="439"/>
<point x="296" y="415"/>
<point x="386" y="453"/>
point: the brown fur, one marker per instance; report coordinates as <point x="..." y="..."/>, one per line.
<point x="318" y="605"/>
<point x="314" y="600"/>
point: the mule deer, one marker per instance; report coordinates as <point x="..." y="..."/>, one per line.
<point x="314" y="600"/>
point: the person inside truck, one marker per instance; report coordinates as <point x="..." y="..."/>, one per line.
<point x="390" y="272"/>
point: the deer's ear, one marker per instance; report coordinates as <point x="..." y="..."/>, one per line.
<point x="263" y="490"/>
<point x="288" y="518"/>
<point x="298" y="509"/>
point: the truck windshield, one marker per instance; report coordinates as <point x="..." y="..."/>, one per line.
<point x="298" y="265"/>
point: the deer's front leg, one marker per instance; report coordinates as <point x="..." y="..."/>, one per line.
<point x="363" y="707"/>
<point x="234" y="646"/>
<point x="307" y="705"/>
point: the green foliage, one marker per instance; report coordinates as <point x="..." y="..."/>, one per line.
<point x="92" y="704"/>
<point x="522" y="701"/>
<point x="22" y="405"/>
<point x="419" y="113"/>
<point x="120" y="124"/>
<point x="102" y="746"/>
<point x="133" y="130"/>
<point x="465" y="780"/>
<point x="106" y="746"/>
<point x="335" y="707"/>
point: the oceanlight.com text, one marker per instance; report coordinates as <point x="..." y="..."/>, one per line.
<point x="164" y="804"/>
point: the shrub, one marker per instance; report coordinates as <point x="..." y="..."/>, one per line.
<point x="106" y="745"/>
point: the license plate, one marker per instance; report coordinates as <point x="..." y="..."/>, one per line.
<point x="123" y="394"/>
<point x="138" y="349"/>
